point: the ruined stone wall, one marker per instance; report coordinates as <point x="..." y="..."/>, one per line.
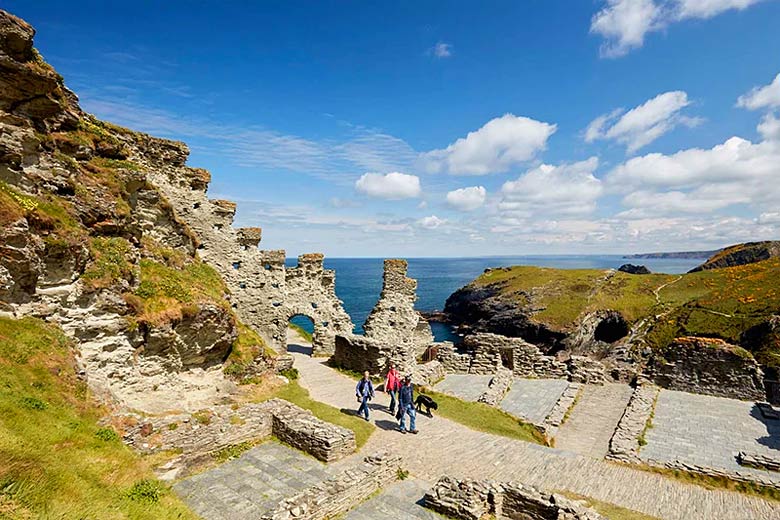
<point x="360" y="353"/>
<point x="475" y="500"/>
<point x="487" y="353"/>
<point x="195" y="436"/>
<point x="265" y="294"/>
<point x="708" y="366"/>
<point x="394" y="319"/>
<point x="340" y="493"/>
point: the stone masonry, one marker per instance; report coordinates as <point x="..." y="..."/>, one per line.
<point x="340" y="493"/>
<point x="624" y="445"/>
<point x="394" y="331"/>
<point x="197" y="435"/>
<point x="708" y="366"/>
<point x="475" y="500"/>
<point x="485" y="353"/>
<point x="394" y="318"/>
<point x="266" y="294"/>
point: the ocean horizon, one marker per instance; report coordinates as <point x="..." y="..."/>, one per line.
<point x="359" y="279"/>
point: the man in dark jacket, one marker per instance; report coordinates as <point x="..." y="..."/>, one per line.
<point x="406" y="406"/>
<point x="364" y="392"/>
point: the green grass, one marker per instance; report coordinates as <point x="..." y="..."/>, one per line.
<point x="609" y="511"/>
<point x="166" y="293"/>
<point x="109" y="263"/>
<point x="710" y="482"/>
<point x="246" y="348"/>
<point x="296" y="394"/>
<point x="55" y="460"/>
<point x="484" y="418"/>
<point x="721" y="303"/>
<point x="300" y="330"/>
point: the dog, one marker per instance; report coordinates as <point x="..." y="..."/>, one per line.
<point x="427" y="402"/>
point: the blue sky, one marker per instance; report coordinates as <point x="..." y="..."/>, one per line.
<point x="451" y="128"/>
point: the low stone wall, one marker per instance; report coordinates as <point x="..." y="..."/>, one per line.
<point x="428" y="374"/>
<point x="475" y="500"/>
<point x="301" y="429"/>
<point x="583" y="369"/>
<point x="198" y="435"/>
<point x="485" y="353"/>
<point x="760" y="461"/>
<point x="556" y="416"/>
<point x="340" y="493"/>
<point x="497" y="387"/>
<point x="624" y="445"/>
<point x="360" y="353"/>
<point x="708" y="366"/>
<point x="769" y="481"/>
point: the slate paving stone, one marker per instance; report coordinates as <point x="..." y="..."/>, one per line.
<point x="251" y="484"/>
<point x="709" y="431"/>
<point x="533" y="399"/>
<point x="401" y="500"/>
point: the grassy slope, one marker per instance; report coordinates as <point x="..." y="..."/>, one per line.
<point x="484" y="418"/>
<point x="52" y="463"/>
<point x="610" y="511"/>
<point x="696" y="303"/>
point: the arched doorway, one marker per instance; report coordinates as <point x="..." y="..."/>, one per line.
<point x="300" y="333"/>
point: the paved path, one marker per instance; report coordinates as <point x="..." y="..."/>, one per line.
<point x="251" y="485"/>
<point x="709" y="431"/>
<point x="533" y="399"/>
<point x="447" y="447"/>
<point x="401" y="500"/>
<point x="593" y="420"/>
<point x="464" y="386"/>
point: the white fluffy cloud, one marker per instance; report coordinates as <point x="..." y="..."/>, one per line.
<point x="501" y="143"/>
<point x="392" y="186"/>
<point x="769" y="127"/>
<point x="441" y="50"/>
<point x="643" y="124"/>
<point x="567" y="189"/>
<point x="431" y="222"/>
<point x="767" y="96"/>
<point x="737" y="172"/>
<point x="625" y="23"/>
<point x="467" y="199"/>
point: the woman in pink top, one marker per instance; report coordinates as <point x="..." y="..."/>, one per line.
<point x="392" y="384"/>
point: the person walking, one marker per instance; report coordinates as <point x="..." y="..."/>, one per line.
<point x="406" y="406"/>
<point x="364" y="392"/>
<point x="392" y="384"/>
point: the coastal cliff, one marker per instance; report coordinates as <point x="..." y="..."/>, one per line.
<point x="612" y="315"/>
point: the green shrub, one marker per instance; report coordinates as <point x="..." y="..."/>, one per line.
<point x="107" y="434"/>
<point x="33" y="403"/>
<point x="290" y="373"/>
<point x="146" y="490"/>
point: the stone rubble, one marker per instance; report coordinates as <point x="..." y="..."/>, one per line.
<point x="340" y="493"/>
<point x="476" y="500"/>
<point x="624" y="445"/>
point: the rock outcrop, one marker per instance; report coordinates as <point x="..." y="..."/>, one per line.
<point x="634" y="269"/>
<point x="109" y="233"/>
<point x="741" y="254"/>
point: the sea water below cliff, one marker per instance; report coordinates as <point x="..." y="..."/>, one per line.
<point x="359" y="280"/>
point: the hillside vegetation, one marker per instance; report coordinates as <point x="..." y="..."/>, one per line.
<point x="723" y="303"/>
<point x="55" y="460"/>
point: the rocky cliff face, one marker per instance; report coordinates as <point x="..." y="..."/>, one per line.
<point x="741" y="254"/>
<point x="93" y="239"/>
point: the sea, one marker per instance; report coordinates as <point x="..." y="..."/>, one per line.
<point x="359" y="280"/>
